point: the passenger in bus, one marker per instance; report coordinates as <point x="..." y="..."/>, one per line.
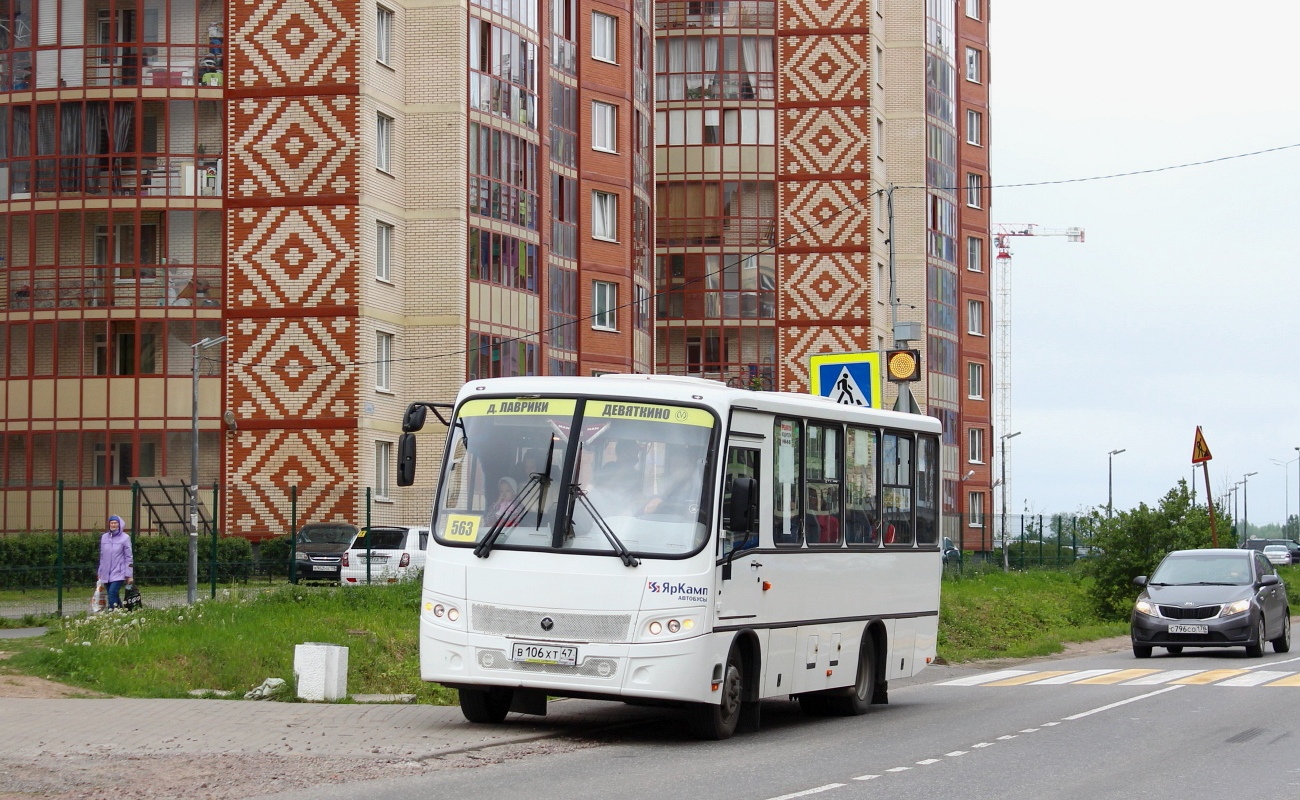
<point x="506" y="491"/>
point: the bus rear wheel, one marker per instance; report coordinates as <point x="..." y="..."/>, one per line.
<point x="488" y="706"/>
<point x="857" y="700"/>
<point x="720" y="721"/>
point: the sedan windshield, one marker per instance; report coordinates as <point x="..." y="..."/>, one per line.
<point x="1230" y="569"/>
<point x="326" y="534"/>
<point x="598" y="476"/>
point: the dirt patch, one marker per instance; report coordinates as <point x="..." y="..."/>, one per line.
<point x="40" y="689"/>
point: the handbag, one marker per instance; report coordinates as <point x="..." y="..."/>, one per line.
<point x="131" y="597"/>
<point x="98" y="599"/>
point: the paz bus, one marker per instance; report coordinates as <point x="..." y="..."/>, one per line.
<point x="673" y="541"/>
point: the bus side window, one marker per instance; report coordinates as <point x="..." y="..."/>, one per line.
<point x="742" y="462"/>
<point x="822" y="474"/>
<point x="896" y="478"/>
<point x="927" y="491"/>
<point x="787" y="514"/>
<point x="861" y="521"/>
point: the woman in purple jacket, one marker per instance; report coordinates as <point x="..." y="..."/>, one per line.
<point x="115" y="560"/>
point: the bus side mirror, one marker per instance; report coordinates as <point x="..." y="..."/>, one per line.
<point x="406" y="459"/>
<point x="413" y="421"/>
<point x="743" y="512"/>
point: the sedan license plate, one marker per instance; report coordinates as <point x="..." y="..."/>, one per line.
<point x="320" y="568"/>
<point x="1189" y="628"/>
<point x="544" y="654"/>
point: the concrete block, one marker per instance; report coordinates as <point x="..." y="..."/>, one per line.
<point x="321" y="670"/>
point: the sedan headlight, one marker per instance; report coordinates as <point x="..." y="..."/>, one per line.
<point x="1233" y="609"/>
<point x="1147" y="607"/>
<point x="301" y="556"/>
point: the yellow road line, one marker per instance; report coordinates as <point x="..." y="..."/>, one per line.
<point x="1121" y="676"/>
<point x="1030" y="678"/>
<point x="1291" y="680"/>
<point x="1209" y="676"/>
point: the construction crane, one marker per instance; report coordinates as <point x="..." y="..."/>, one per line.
<point x="1002" y="235"/>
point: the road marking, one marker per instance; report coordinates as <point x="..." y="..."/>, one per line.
<point x="1029" y="678"/>
<point x="1100" y="709"/>
<point x="1072" y="677"/>
<point x="1119" y="677"/>
<point x="1163" y="677"/>
<point x="1294" y="680"/>
<point x="928" y="761"/>
<point x="1255" y="678"/>
<point x="807" y="792"/>
<point x="866" y="777"/>
<point x="982" y="744"/>
<point x="1210" y="676"/>
<point x="956" y="753"/>
<point x="1030" y="730"/>
<point x="898" y="769"/>
<point x="1050" y="724"/>
<point x="1008" y="736"/>
<point x="976" y="680"/>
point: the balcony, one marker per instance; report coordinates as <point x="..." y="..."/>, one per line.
<point x="116" y="286"/>
<point x="716" y="14"/>
<point x="111" y="176"/>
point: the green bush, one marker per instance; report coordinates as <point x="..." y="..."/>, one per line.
<point x="1133" y="542"/>
<point x="31" y="560"/>
<point x="273" y="554"/>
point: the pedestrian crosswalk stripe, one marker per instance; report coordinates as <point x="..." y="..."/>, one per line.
<point x="1119" y="677"/>
<point x="1130" y="677"/>
<point x="1254" y="678"/>
<point x="1163" y="677"/>
<point x="1072" y="677"/>
<point x="1210" y="676"/>
<point x="1023" y="679"/>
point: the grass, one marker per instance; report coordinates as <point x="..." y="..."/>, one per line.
<point x="235" y="642"/>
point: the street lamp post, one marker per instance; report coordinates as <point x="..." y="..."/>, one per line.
<point x="1286" y="490"/>
<point x="1297" y="495"/>
<point x="202" y="344"/>
<point x="1236" y="513"/>
<point x="1006" y="558"/>
<point x="1110" y="481"/>
<point x="1245" y="506"/>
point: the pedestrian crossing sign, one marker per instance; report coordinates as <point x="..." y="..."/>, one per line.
<point x="849" y="378"/>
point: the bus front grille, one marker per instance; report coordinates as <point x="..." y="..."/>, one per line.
<point x="589" y="668"/>
<point x="564" y="626"/>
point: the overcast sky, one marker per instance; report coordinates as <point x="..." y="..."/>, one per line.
<point x="1182" y="308"/>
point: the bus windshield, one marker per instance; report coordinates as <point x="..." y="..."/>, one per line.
<point x="632" y="476"/>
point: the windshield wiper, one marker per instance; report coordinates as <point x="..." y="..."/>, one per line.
<point x="619" y="548"/>
<point x="511" y="512"/>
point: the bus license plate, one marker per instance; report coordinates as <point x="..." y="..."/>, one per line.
<point x="1189" y="628"/>
<point x="544" y="654"/>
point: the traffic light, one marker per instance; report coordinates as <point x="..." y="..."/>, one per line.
<point x="903" y="365"/>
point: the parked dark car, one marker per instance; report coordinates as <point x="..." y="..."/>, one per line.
<point x="1260" y="544"/>
<point x="1211" y="598"/>
<point x="320" y="548"/>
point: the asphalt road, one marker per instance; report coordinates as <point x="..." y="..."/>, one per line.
<point x="1205" y="724"/>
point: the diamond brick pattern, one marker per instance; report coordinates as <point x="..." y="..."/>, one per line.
<point x="294" y="257"/>
<point x="320" y="463"/>
<point x="825" y="214"/>
<point x="810" y="341"/>
<point x="294" y="146"/>
<point x="821" y="14"/>
<point x="293" y="369"/>
<point x="822" y="286"/>
<point x="819" y="141"/>
<point x="294" y="43"/>
<point x="822" y="68"/>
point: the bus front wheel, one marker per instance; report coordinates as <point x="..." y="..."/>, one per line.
<point x="719" y="721"/>
<point x="488" y="706"/>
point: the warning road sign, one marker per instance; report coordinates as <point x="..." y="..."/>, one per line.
<point x="1200" y="450"/>
<point x="849" y="378"/>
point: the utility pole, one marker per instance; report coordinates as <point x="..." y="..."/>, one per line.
<point x="1110" y="481"/>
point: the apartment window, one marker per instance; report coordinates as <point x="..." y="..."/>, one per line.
<point x="972" y="65"/>
<point x="975" y="509"/>
<point x="383" y="361"/>
<point x="383" y="34"/>
<point x="604" y="127"/>
<point x="975" y="381"/>
<point x="604" y="37"/>
<point x="974" y="254"/>
<point x="880" y="67"/>
<point x="975" y="317"/>
<point x="974" y="127"/>
<point x="975" y="445"/>
<point x="383" y="457"/>
<point x="604" y="305"/>
<point x="604" y="216"/>
<point x="383" y="251"/>
<point x="974" y="190"/>
<point x="383" y="142"/>
<point x="973" y="9"/>
<point x="880" y="139"/>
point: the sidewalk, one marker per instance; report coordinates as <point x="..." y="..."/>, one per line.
<point x="30" y="728"/>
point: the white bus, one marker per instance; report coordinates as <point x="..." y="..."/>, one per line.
<point x="666" y="540"/>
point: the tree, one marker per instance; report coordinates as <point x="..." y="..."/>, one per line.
<point x="1133" y="542"/>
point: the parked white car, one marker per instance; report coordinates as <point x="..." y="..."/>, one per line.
<point x="1277" y="554"/>
<point x="394" y="551"/>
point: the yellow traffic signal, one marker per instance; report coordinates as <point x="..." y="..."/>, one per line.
<point x="903" y="365"/>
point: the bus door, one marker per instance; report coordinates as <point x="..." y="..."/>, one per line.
<point x="740" y="565"/>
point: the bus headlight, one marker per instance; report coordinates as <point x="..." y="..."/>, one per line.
<point x="668" y="627"/>
<point x="445" y="613"/>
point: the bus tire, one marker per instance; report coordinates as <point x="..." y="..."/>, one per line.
<point x="487" y="706"/>
<point x="857" y="700"/>
<point x="719" y="721"/>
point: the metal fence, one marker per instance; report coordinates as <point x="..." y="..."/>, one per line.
<point x="1030" y="541"/>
